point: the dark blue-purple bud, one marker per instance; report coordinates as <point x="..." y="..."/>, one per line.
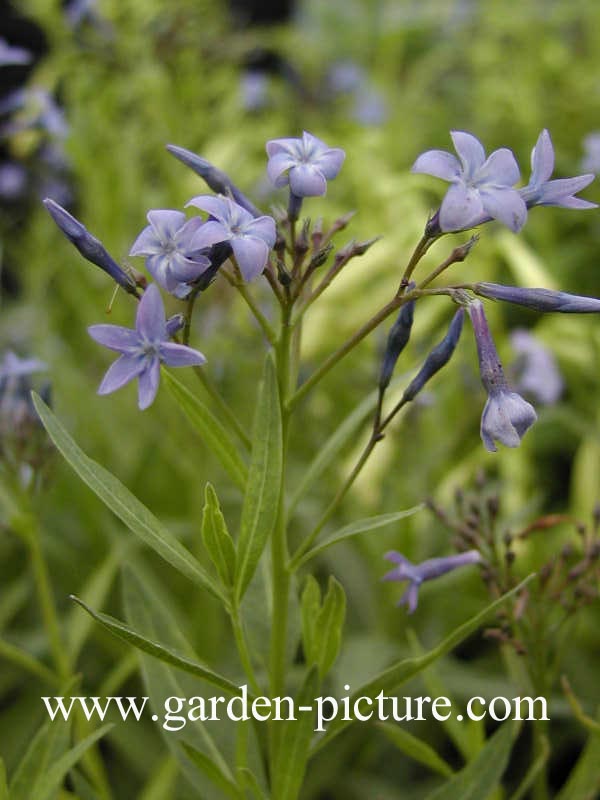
<point x="175" y="324"/>
<point x="438" y="358"/>
<point x="218" y="255"/>
<point x="397" y="341"/>
<point x="539" y="299"/>
<point x="214" y="178"/>
<point x="90" y="248"/>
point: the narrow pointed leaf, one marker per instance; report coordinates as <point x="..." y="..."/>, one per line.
<point x="396" y="675"/>
<point x="216" y="537"/>
<point x="159" y="651"/>
<point x="210" y="429"/>
<point x="213" y="773"/>
<point x="329" y="626"/>
<point x="310" y="608"/>
<point x="416" y="748"/>
<point x="46" y="787"/>
<point x="483" y="774"/>
<point x="584" y="779"/>
<point x="261" y="501"/>
<point x="3" y="784"/>
<point x="354" y="529"/>
<point x="124" y="504"/>
<point x="294" y="743"/>
<point x="248" y="780"/>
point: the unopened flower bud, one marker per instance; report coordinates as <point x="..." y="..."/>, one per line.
<point x="90" y="248"/>
<point x="397" y="341"/>
<point x="539" y="299"/>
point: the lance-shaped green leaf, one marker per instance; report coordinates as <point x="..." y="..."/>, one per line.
<point x="322" y="624"/>
<point x="248" y="780"/>
<point x="393" y="677"/>
<point x="216" y="537"/>
<point x="211" y="431"/>
<point x="584" y="779"/>
<point x="293" y="743"/>
<point x="354" y="529"/>
<point x="159" y="651"/>
<point x="416" y="748"/>
<point x="214" y="773"/>
<point x="48" y="783"/>
<point x="261" y="500"/>
<point x="482" y="775"/>
<point x="125" y="505"/>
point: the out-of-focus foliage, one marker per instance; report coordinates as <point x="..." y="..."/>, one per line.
<point x="152" y="72"/>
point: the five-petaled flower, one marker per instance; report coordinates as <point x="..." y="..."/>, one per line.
<point x="250" y="238"/>
<point x="172" y="258"/>
<point x="480" y="188"/>
<point x="506" y="416"/>
<point x="306" y="164"/>
<point x="143" y="349"/>
<point x="415" y="574"/>
<point x="541" y="191"/>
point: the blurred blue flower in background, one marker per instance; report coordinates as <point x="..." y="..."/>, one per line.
<point x="415" y="574"/>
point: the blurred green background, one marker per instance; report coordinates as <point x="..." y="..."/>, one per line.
<point x="385" y="80"/>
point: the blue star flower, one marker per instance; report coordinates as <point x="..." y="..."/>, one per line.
<point x="306" y="164"/>
<point x="143" y="349"/>
<point x="480" y="188"/>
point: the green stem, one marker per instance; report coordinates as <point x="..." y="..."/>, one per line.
<point x="26" y="662"/>
<point x="242" y="646"/>
<point x="265" y="325"/>
<point x="279" y="545"/>
<point x="27" y="526"/>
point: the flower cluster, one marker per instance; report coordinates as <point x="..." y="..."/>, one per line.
<point x="482" y="189"/>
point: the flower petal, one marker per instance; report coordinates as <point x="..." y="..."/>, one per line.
<point x="330" y="162"/>
<point x="470" y="151"/>
<point x="438" y="163"/>
<point x="290" y="146"/>
<point x="179" y="355"/>
<point x="115" y="337"/>
<point x="159" y="267"/>
<point x="251" y="255"/>
<point x="307" y="181"/>
<point x="150" y="321"/>
<point x="560" y="192"/>
<point x="505" y="205"/>
<point x="410" y="598"/>
<point x="148" y="383"/>
<point x="542" y="159"/>
<point x="278" y="164"/>
<point x="123" y="370"/>
<point x="166" y="222"/>
<point x="215" y="206"/>
<point x="263" y="228"/>
<point x="185" y="269"/>
<point x="210" y="233"/>
<point x="461" y="208"/>
<point x="500" y="169"/>
<point x="147" y="243"/>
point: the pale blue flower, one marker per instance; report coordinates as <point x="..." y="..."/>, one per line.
<point x="537" y="373"/>
<point x="143" y="349"/>
<point x="506" y="416"/>
<point x="480" y="188"/>
<point x="251" y="238"/>
<point x="12" y="54"/>
<point x="541" y="191"/>
<point x="171" y="257"/>
<point x="306" y="164"/>
<point x="415" y="574"/>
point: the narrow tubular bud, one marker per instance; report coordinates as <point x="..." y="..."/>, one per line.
<point x="397" y="341"/>
<point x="539" y="299"/>
<point x="214" y="178"/>
<point x="217" y="254"/>
<point x="438" y="358"/>
<point x="90" y="248"/>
